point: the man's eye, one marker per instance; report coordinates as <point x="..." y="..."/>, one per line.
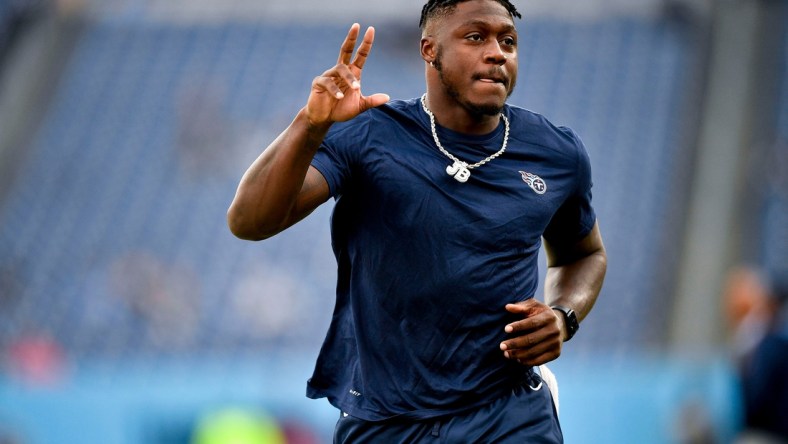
<point x="475" y="37"/>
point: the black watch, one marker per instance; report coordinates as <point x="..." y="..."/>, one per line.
<point x="570" y="320"/>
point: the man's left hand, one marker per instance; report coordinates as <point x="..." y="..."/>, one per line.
<point x="537" y="338"/>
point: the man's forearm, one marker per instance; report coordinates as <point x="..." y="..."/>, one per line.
<point x="577" y="284"/>
<point x="575" y="275"/>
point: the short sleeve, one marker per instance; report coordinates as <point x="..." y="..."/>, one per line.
<point x="575" y="217"/>
<point x="336" y="155"/>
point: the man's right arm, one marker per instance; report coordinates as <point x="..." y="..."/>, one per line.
<point x="280" y="187"/>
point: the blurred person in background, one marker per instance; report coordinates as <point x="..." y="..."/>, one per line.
<point x="757" y="304"/>
<point x="442" y="203"/>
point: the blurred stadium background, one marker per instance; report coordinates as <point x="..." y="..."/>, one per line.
<point x="129" y="313"/>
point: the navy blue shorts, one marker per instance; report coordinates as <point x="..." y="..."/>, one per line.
<point x="525" y="416"/>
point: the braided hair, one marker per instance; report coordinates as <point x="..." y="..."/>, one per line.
<point x="436" y="8"/>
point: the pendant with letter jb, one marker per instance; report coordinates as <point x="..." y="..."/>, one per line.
<point x="459" y="170"/>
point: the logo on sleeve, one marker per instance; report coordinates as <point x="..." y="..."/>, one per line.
<point x="535" y="182"/>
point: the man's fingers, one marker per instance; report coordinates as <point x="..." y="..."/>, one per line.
<point x="530" y="338"/>
<point x="376" y="100"/>
<point x="520" y="343"/>
<point x="337" y="79"/>
<point x="348" y="45"/>
<point x="534" y="314"/>
<point x="346" y="53"/>
<point x="364" y="48"/>
<point x="536" y="339"/>
<point x="537" y="354"/>
<point x="531" y="323"/>
<point x="336" y="94"/>
<point x="525" y="306"/>
<point x="526" y="345"/>
<point x="329" y="85"/>
<point x="345" y="77"/>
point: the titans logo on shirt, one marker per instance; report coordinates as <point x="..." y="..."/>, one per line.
<point x="535" y="182"/>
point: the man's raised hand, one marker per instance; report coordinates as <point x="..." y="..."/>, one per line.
<point x="336" y="94"/>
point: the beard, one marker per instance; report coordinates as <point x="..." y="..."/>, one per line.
<point x="473" y="108"/>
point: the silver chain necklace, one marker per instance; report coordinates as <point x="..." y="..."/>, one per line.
<point x="459" y="169"/>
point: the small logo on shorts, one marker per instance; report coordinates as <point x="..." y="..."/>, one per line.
<point x="535" y="182"/>
<point x="355" y="393"/>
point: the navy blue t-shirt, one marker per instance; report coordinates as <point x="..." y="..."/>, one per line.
<point x="426" y="264"/>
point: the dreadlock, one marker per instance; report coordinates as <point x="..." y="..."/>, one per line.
<point x="435" y="8"/>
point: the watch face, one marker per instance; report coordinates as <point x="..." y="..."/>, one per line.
<point x="570" y="320"/>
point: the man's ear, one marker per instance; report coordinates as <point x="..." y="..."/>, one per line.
<point x="428" y="49"/>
